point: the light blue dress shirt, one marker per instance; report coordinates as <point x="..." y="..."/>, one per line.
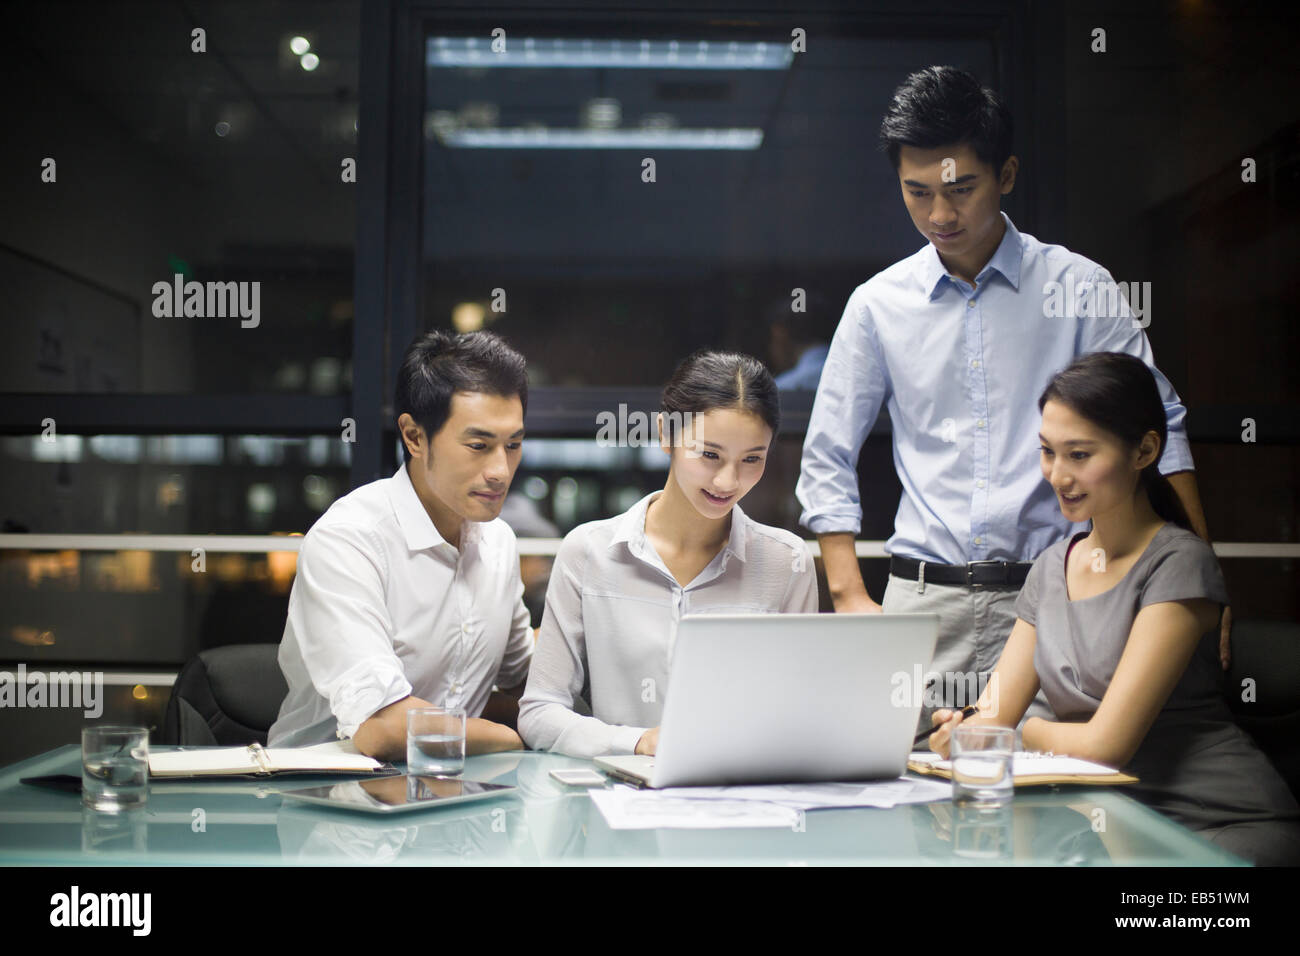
<point x="960" y="370"/>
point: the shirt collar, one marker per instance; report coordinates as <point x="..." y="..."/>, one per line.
<point x="630" y="529"/>
<point x="418" y="528"/>
<point x="1006" y="259"/>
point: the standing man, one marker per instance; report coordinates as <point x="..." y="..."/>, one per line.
<point x="958" y="341"/>
<point x="408" y="591"/>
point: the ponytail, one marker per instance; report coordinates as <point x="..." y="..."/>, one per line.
<point x="1164" y="500"/>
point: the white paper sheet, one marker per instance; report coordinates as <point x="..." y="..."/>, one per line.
<point x="816" y="796"/>
<point x="775" y="805"/>
<point x="627" y="809"/>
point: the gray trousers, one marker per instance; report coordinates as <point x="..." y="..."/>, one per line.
<point x="974" y="624"/>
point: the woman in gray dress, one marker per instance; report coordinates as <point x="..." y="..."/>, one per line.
<point x="1119" y="625"/>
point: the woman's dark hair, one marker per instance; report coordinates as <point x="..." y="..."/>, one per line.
<point x="709" y="380"/>
<point x="1118" y="393"/>
<point x="439" y="364"/>
<point x="942" y="105"/>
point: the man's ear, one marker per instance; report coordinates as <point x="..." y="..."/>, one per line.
<point x="412" y="434"/>
<point x="664" y="441"/>
<point x="1007" y="179"/>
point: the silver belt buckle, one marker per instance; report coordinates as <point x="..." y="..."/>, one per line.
<point x="970" y="573"/>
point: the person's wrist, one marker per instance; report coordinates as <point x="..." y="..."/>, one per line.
<point x="1030" y="733"/>
<point x="849" y="592"/>
<point x="505" y="738"/>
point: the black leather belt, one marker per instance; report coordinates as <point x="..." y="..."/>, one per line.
<point x="977" y="574"/>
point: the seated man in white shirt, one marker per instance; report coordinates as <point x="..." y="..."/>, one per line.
<point x="408" y="591"/>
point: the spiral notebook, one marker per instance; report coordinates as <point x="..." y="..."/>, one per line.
<point x="1032" y="769"/>
<point x="258" y="762"/>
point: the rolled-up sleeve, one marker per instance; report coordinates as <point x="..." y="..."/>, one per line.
<point x="1111" y="326"/>
<point x="853" y="386"/>
<point x="547" y="720"/>
<point x="338" y="613"/>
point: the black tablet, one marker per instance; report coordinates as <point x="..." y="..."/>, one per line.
<point x="398" y="794"/>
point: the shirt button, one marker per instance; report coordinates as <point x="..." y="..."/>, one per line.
<point x="455" y="688"/>
<point x="980" y="483"/>
<point x="970" y="303"/>
<point x="979" y="540"/>
<point x="974" y="363"/>
<point x="464" y="628"/>
<point x="980" y="423"/>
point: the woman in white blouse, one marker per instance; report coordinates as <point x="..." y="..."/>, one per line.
<point x="619" y="586"/>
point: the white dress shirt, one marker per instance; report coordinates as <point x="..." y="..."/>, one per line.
<point x="960" y="368"/>
<point x="383" y="608"/>
<point x="612" y="609"/>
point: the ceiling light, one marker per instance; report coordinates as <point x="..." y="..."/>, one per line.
<point x="531" y="138"/>
<point x="630" y="54"/>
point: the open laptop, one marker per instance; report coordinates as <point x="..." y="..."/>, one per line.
<point x="780" y="698"/>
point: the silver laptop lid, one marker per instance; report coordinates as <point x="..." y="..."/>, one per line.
<point x="791" y="697"/>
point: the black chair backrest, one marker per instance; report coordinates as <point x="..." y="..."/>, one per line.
<point x="1263" y="690"/>
<point x="227" y="696"/>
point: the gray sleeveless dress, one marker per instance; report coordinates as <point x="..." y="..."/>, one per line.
<point x="1194" y="765"/>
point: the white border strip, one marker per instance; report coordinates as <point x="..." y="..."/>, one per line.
<point x="528" y="547"/>
<point x="110" y="677"/>
<point x="215" y="543"/>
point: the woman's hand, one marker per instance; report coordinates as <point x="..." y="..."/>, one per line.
<point x="649" y="742"/>
<point x="945" y="722"/>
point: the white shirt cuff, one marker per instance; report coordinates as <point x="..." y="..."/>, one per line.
<point x="623" y="740"/>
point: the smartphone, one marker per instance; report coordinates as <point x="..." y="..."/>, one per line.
<point x="579" y="778"/>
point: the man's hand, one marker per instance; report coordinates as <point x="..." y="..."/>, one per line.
<point x="1225" y="635"/>
<point x="486" y="737"/>
<point x="383" y="734"/>
<point x="857" y="603"/>
<point x="649" y="742"/>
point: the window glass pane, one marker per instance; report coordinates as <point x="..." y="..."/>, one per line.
<point x="611" y="202"/>
<point x="176" y="219"/>
<point x="169" y="484"/>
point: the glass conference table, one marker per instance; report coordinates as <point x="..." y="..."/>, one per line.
<point x="246" y="823"/>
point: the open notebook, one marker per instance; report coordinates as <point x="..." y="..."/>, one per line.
<point x="1032" y="769"/>
<point x="339" y="758"/>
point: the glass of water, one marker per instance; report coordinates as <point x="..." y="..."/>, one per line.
<point x="981" y="766"/>
<point x="435" y="741"/>
<point x="114" y="767"/>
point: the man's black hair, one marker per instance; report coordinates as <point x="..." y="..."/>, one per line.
<point x="942" y="105"/>
<point x="439" y="364"/>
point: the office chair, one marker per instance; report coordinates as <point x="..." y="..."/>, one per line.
<point x="1268" y="654"/>
<point x="226" y="696"/>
